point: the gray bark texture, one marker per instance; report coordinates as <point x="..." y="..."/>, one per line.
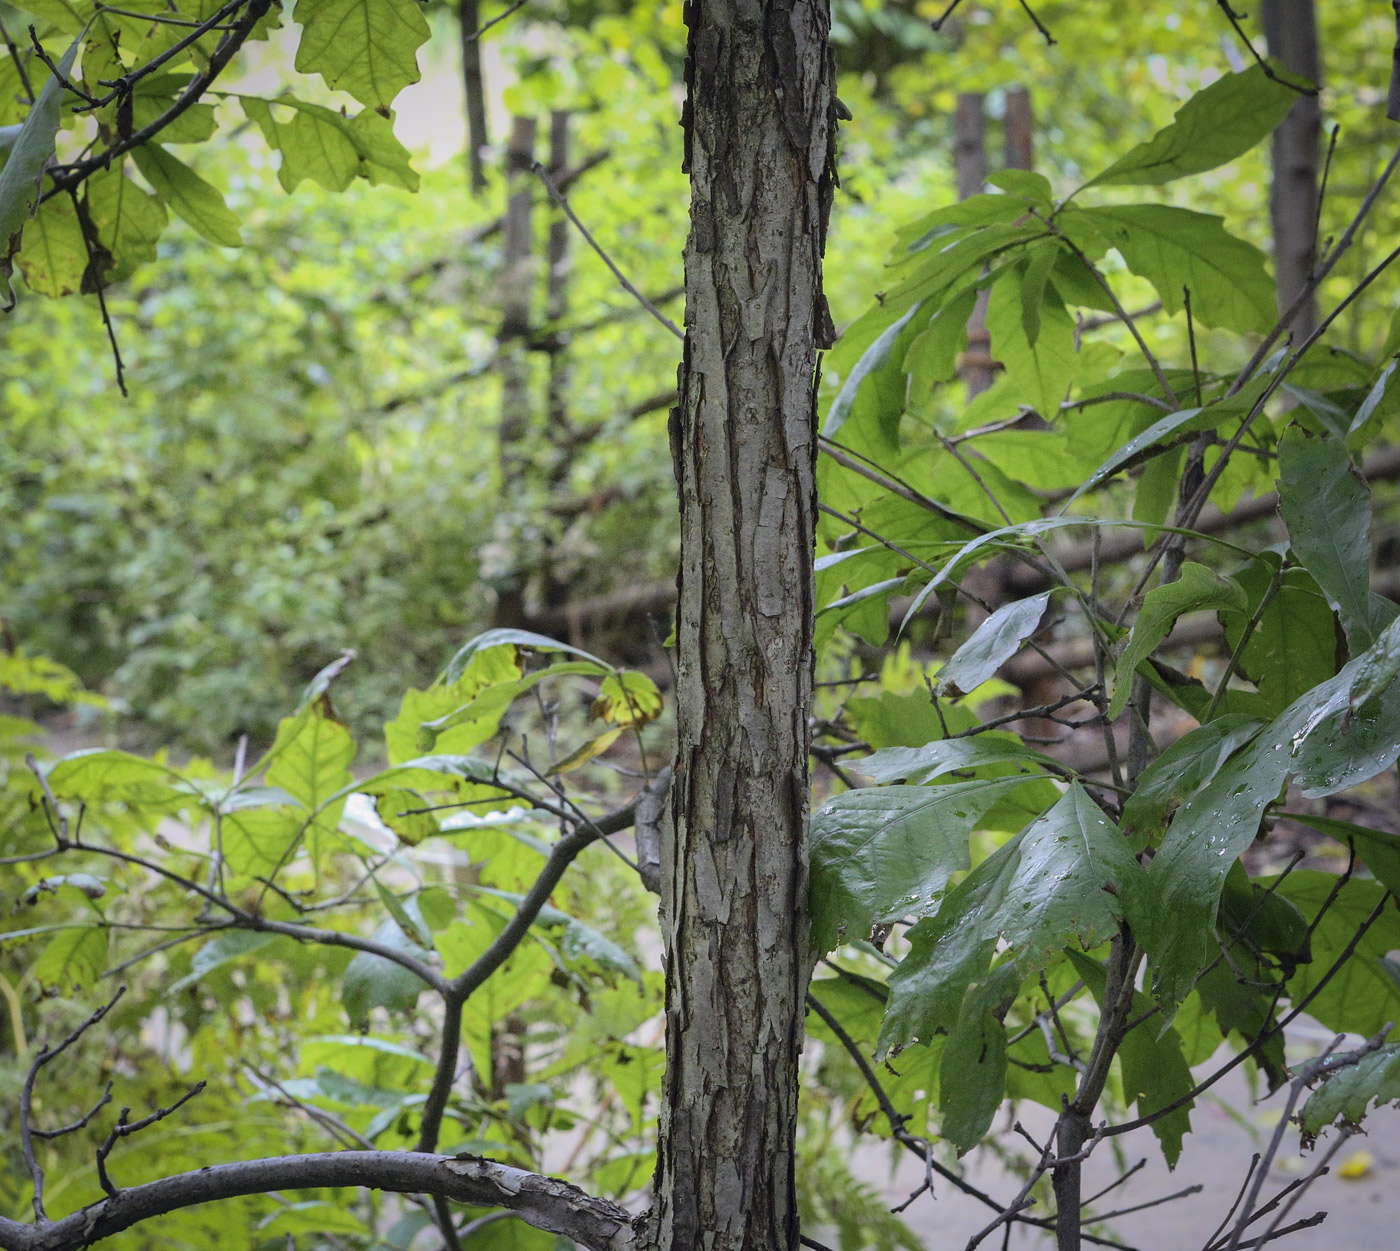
<point x="760" y="136"/>
<point x="1290" y="27"/>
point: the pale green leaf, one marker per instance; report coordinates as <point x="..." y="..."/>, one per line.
<point x="199" y="203"/>
<point x="1212" y="128"/>
<point x="992" y="644"/>
<point x="366" y="47"/>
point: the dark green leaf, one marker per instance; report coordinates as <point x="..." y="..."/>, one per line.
<point x="932" y="760"/>
<point x="887" y="852"/>
<point x="1059" y="879"/>
<point x="1180" y="771"/>
<point x="1345" y="1095"/>
<point x="1326" y="505"/>
<point x="1197" y="589"/>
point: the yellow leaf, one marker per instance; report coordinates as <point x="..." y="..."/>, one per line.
<point x="628" y="699"/>
<point x="582" y="755"/>
<point x="1356" y="1166"/>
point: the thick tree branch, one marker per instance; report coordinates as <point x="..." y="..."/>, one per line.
<point x="544" y="1202"/>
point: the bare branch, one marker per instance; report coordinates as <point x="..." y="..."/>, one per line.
<point x="45" y="1056"/>
<point x="544" y="1202"/>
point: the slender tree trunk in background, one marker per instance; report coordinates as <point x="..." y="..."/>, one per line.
<point x="469" y="19"/>
<point x="970" y="168"/>
<point x="512" y="351"/>
<point x="760" y="149"/>
<point x="1019" y="128"/>
<point x="1290" y="26"/>
<point x="564" y="439"/>
<point x="557" y="292"/>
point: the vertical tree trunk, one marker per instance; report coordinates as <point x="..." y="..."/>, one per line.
<point x="1019" y="129"/>
<point x="517" y="289"/>
<point x="1290" y="26"/>
<point x="760" y="142"/>
<point x="557" y="285"/>
<point x="970" y="168"/>
<point x="469" y="18"/>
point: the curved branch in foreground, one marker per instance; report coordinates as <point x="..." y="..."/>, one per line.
<point x="544" y="1202"/>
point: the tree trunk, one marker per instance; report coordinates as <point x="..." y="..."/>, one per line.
<point x="1290" y="26"/>
<point x="512" y="349"/>
<point x="760" y="143"/>
<point x="1019" y="130"/>
<point x="970" y="169"/>
<point x="469" y="18"/>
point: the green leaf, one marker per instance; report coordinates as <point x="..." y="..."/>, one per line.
<point x="461" y="684"/>
<point x="1180" y="771"/>
<point x="1317" y="740"/>
<point x="887" y="852"/>
<point x="74" y="959"/>
<point x="1175" y="248"/>
<point x="1211" y="129"/>
<point x="220" y="950"/>
<point x="583" y="942"/>
<point x="366" y="47"/>
<point x="128" y="220"/>
<point x="1326" y="506"/>
<point x="991" y="645"/>
<point x="1345" y="1095"/>
<point x="1362" y="997"/>
<point x="628" y="698"/>
<point x="406" y="923"/>
<point x="492" y="640"/>
<point x="1379" y="849"/>
<point x="931" y="761"/>
<point x="402" y="811"/>
<point x="1041" y="371"/>
<point x="972" y="1073"/>
<point x="1197" y="589"/>
<point x="1373" y="399"/>
<point x="311" y="761"/>
<point x="321" y="144"/>
<point x="1143" y="445"/>
<point x="31" y="147"/>
<point x="372" y="981"/>
<point x="101" y="775"/>
<point x="1059" y="879"/>
<point x="1294" y="646"/>
<point x="196" y="201"/>
<point x="1025" y="185"/>
<point x="55" y="255"/>
<point x="932" y="357"/>
<point x="870" y="360"/>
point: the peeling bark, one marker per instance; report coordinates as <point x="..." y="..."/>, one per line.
<point x="760" y="136"/>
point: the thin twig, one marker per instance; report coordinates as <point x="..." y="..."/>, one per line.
<point x="47" y="1055"/>
<point x="124" y="1129"/>
<point x="495" y="21"/>
<point x="563" y="202"/>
